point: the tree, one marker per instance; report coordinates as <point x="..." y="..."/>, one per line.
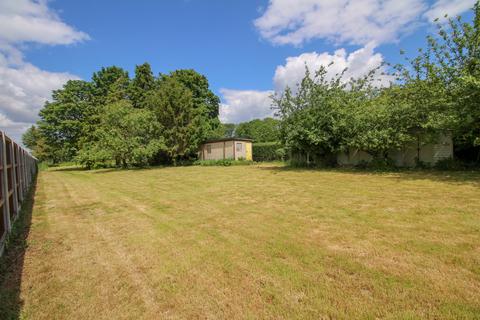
<point x="62" y="121"/>
<point x="127" y="135"/>
<point x="30" y="137"/>
<point x="378" y="125"/>
<point x="182" y="125"/>
<point x="203" y="98"/>
<point x="312" y="119"/>
<point x="33" y="140"/>
<point x="266" y="130"/>
<point x="141" y="84"/>
<point x="108" y="80"/>
<point x="327" y="116"/>
<point x="445" y="78"/>
<point x="224" y="130"/>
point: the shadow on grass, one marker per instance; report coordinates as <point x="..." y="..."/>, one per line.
<point x="471" y="177"/>
<point x="103" y="170"/>
<point x="456" y="177"/>
<point x="76" y="168"/>
<point x="11" y="263"/>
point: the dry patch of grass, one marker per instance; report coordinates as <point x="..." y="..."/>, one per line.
<point x="252" y="242"/>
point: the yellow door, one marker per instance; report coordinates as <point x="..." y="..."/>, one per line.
<point x="248" y="151"/>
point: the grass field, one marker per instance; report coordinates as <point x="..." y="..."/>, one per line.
<point x="249" y="242"/>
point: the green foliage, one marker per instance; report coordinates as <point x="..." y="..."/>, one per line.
<point x="182" y="125"/>
<point x="265" y="130"/>
<point x="443" y="81"/>
<point x="203" y="98"/>
<point x="450" y="165"/>
<point x="129" y="136"/>
<point x="141" y="85"/>
<point x="30" y="137"/>
<point x="224" y="130"/>
<point x="377" y="164"/>
<point x="109" y="85"/>
<point x="34" y="140"/>
<point x="326" y="116"/>
<point x="268" y="151"/>
<point x="438" y="92"/>
<point x="98" y="122"/>
<point x="63" y="121"/>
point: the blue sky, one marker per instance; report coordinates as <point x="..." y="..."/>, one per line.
<point x="247" y="49"/>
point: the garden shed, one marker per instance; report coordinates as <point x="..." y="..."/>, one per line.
<point x="226" y="148"/>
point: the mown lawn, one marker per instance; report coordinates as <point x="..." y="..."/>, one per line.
<point x="249" y="242"/>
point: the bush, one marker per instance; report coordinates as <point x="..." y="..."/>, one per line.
<point x="268" y="151"/>
<point x="377" y="163"/>
<point x="223" y="162"/>
<point x="320" y="160"/>
<point x="450" y="164"/>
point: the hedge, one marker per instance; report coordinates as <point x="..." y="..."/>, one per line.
<point x="268" y="151"/>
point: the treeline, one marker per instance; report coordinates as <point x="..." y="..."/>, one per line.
<point x="260" y="130"/>
<point x="437" y="92"/>
<point x="265" y="134"/>
<point x="131" y="122"/>
<point x="148" y="120"/>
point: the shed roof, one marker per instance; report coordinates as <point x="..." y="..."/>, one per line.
<point x="228" y="139"/>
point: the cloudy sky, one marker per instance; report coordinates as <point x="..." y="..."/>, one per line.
<point x="247" y="49"/>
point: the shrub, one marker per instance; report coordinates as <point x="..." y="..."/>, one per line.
<point x="449" y="164"/>
<point x="268" y="151"/>
<point x="377" y="163"/>
<point x="223" y="162"/>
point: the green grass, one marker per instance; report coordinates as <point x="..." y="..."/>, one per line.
<point x="251" y="242"/>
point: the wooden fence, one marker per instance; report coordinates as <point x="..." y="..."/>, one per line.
<point x="17" y="172"/>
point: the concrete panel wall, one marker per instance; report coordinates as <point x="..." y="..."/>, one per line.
<point x="429" y="153"/>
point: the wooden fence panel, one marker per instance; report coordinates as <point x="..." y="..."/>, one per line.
<point x="17" y="170"/>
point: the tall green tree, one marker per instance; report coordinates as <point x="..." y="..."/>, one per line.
<point x="126" y="135"/>
<point x="260" y="130"/>
<point x="30" y="137"/>
<point x="224" y="130"/>
<point x="107" y="81"/>
<point x="34" y="140"/>
<point x="203" y="98"/>
<point x="62" y="121"/>
<point x="141" y="85"/>
<point x="182" y="125"/>
<point x="326" y="116"/>
<point x="443" y="81"/>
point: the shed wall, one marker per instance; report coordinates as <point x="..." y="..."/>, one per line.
<point x="226" y="150"/>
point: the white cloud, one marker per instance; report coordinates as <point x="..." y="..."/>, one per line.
<point x="349" y="21"/>
<point x="450" y="7"/>
<point x="24" y="88"/>
<point x="13" y="129"/>
<point x="342" y="21"/>
<point x="244" y="105"/>
<point x="33" y="21"/>
<point x="358" y="63"/>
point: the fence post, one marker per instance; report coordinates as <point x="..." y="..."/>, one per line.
<point x="14" y="181"/>
<point x="26" y="183"/>
<point x="6" y="205"/>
